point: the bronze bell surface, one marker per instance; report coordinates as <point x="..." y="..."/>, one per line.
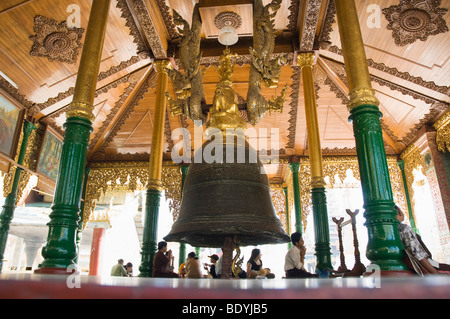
<point x="227" y="199"/>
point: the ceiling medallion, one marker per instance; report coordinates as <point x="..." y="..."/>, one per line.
<point x="414" y="20"/>
<point x="227" y="19"/>
<point x="55" y="41"/>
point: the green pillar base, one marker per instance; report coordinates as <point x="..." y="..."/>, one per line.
<point x="321" y="228"/>
<point x="57" y="271"/>
<point x="295" y="166"/>
<point x="149" y="242"/>
<point x="61" y="250"/>
<point x="10" y="201"/>
<point x="182" y="254"/>
<point x="5" y="224"/>
<point x="384" y="248"/>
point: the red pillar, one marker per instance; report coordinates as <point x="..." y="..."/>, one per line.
<point x="94" y="263"/>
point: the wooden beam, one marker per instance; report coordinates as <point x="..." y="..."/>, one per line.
<point x="151" y="26"/>
<point x="285" y="42"/>
<point x="343" y="87"/>
<point x="333" y="76"/>
<point x="122" y="109"/>
<point x="309" y="13"/>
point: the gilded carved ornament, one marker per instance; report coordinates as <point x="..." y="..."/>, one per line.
<point x="442" y="126"/>
<point x="413" y="20"/>
<point x="279" y="203"/>
<point x="130" y="177"/>
<point x="55" y="41"/>
<point x="413" y="161"/>
<point x="306" y="59"/>
<point x="263" y="69"/>
<point x="30" y="161"/>
<point x="81" y="109"/>
<point x="362" y="96"/>
<point x="188" y="85"/>
<point x="336" y="167"/>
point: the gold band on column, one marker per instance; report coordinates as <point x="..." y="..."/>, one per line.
<point x="358" y="76"/>
<point x="156" y="154"/>
<point x="83" y="98"/>
<point x="306" y="62"/>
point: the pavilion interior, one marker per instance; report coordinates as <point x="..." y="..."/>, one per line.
<point x="410" y="72"/>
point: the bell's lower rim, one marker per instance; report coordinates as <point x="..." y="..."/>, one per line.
<point x="217" y="240"/>
<point x="204" y="232"/>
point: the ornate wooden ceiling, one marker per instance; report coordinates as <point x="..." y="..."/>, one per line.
<point x="407" y="45"/>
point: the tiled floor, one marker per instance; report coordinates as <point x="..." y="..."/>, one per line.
<point x="76" y="286"/>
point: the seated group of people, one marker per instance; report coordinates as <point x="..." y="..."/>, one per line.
<point x="121" y="270"/>
<point x="417" y="255"/>
<point x="163" y="264"/>
<point x="294" y="259"/>
<point x="192" y="267"/>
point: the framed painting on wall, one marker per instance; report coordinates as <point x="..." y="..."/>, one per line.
<point x="51" y="149"/>
<point x="11" y="119"/>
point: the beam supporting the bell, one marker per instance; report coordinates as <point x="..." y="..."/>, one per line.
<point x="295" y="166"/>
<point x="401" y="165"/>
<point x="60" y="250"/>
<point x="182" y="254"/>
<point x="154" y="187"/>
<point x="227" y="250"/>
<point x="306" y="61"/>
<point x="384" y="247"/>
<point x="10" y="201"/>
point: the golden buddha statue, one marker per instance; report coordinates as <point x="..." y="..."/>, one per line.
<point x="224" y="113"/>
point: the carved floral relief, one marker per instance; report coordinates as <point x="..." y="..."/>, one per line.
<point x="413" y="20"/>
<point x="55" y="41"/>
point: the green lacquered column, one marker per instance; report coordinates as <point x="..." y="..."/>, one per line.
<point x="288" y="215"/>
<point x="60" y="250"/>
<point x="295" y="166"/>
<point x="321" y="228"/>
<point x="10" y="201"/>
<point x="149" y="240"/>
<point x="401" y="165"/>
<point x="154" y="188"/>
<point x="384" y="245"/>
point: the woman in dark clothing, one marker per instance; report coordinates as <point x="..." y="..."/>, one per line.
<point x="161" y="261"/>
<point x="254" y="265"/>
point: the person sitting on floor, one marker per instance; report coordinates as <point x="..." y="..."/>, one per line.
<point x="294" y="260"/>
<point x="161" y="262"/>
<point x="193" y="266"/>
<point x="254" y="265"/>
<point x="212" y="267"/>
<point x="129" y="269"/>
<point x="118" y="270"/>
<point x="414" y="245"/>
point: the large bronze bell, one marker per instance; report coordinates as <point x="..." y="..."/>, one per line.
<point x="227" y="199"/>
